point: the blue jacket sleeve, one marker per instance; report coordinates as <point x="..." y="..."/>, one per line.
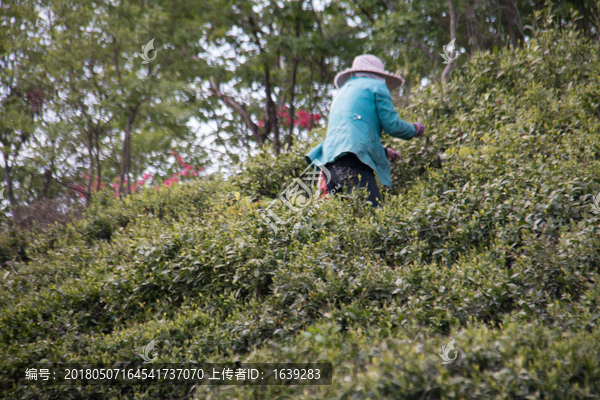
<point x="388" y="116"/>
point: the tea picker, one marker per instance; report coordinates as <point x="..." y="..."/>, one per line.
<point x="352" y="150"/>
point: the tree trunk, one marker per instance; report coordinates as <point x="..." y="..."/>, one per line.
<point x="123" y="164"/>
<point x="88" y="185"/>
<point x="47" y="180"/>
<point x="290" y="138"/>
<point x="450" y="65"/>
<point x="126" y="166"/>
<point x="9" y="182"/>
<point x="271" y="112"/>
<point x="98" y="166"/>
<point x="514" y="20"/>
<point x="406" y="93"/>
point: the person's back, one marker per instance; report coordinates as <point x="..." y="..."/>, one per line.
<point x="359" y="113"/>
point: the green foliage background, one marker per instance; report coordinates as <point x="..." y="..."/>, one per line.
<point x="487" y="237"/>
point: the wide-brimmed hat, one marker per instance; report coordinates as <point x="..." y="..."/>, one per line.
<point x="372" y="64"/>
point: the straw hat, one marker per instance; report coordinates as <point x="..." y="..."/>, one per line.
<point x="372" y="64"/>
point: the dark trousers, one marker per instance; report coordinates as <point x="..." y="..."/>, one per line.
<point x="348" y="171"/>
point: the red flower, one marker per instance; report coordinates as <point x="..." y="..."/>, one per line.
<point x="303" y="115"/>
<point x="79" y="190"/>
<point x="286" y="117"/>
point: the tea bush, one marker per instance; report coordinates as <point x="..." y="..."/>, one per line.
<point x="487" y="236"/>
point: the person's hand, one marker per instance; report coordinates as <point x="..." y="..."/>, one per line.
<point x="420" y="129"/>
<point x="392" y="155"/>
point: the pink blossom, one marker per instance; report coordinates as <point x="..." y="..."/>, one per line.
<point x="79" y="190"/>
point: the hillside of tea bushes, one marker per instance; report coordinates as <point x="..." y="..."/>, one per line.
<point x="487" y="236"/>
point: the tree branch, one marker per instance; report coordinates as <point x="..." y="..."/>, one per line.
<point x="364" y="11"/>
<point x="324" y="72"/>
<point x="239" y="108"/>
<point x="192" y="56"/>
<point x="425" y="49"/>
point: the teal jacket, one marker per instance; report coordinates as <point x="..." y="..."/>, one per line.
<point x="359" y="113"/>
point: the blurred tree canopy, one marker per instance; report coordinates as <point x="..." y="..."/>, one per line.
<point x="80" y="108"/>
